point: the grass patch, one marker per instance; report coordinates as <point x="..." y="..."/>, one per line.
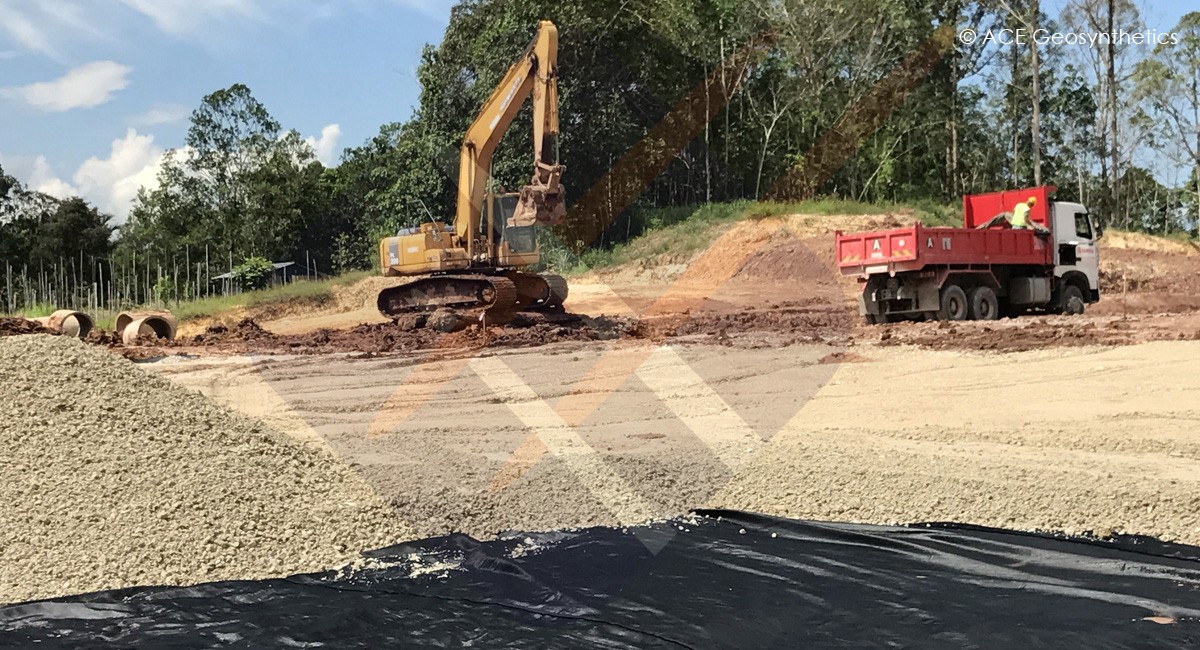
<point x="313" y="293"/>
<point x="104" y="319"/>
<point x="681" y="231"/>
<point x="1180" y="236"/>
<point x="309" y="292"/>
<point x="40" y="310"/>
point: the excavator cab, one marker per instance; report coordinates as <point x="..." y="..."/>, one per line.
<point x="514" y="245"/>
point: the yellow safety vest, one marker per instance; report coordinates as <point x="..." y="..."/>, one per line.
<point x="1020" y="215"/>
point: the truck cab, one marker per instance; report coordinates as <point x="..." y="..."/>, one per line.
<point x="1076" y="253"/>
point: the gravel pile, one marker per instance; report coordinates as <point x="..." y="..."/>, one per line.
<point x="113" y="477"/>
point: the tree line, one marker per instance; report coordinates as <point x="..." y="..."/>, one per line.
<point x="668" y="103"/>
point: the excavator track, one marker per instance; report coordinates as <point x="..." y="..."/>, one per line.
<point x="558" y="291"/>
<point x="538" y="292"/>
<point x="493" y="297"/>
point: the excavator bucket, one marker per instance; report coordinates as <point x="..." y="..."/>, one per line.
<point x="542" y="201"/>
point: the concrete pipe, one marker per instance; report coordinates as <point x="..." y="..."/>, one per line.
<point x="145" y="325"/>
<point x="68" y="322"/>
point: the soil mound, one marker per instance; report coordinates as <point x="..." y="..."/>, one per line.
<point x="363" y="294"/>
<point x="790" y="260"/>
<point x="1036" y="332"/>
<point x="409" y="335"/>
<point x="20" y="326"/>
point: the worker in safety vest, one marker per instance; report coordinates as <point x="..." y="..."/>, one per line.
<point x="1020" y="213"/>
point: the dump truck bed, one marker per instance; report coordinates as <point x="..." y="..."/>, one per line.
<point x="917" y="247"/>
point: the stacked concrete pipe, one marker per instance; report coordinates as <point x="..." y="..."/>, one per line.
<point x="132" y="325"/>
<point x="68" y="322"/>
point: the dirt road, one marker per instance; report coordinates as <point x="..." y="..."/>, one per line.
<point x="741" y="377"/>
<point x="578" y="434"/>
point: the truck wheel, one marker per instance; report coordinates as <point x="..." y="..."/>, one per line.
<point x="984" y="304"/>
<point x="1072" y="302"/>
<point x="954" y="303"/>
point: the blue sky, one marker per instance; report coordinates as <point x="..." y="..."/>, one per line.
<point x="93" y="91"/>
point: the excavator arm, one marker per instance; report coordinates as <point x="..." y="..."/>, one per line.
<point x="534" y="74"/>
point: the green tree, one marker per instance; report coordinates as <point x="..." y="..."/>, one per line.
<point x="75" y="229"/>
<point x="381" y="186"/>
<point x="1150" y="206"/>
<point x="1168" y="84"/>
<point x="254" y="273"/>
<point x="241" y="187"/>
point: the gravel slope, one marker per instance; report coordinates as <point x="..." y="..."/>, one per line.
<point x="113" y="477"/>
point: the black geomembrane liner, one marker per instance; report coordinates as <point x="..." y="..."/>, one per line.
<point x="724" y="580"/>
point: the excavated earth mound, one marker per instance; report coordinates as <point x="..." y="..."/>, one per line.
<point x="115" y="477"/>
<point x="787" y="322"/>
<point x="19" y="326"/>
<point x="379" y="338"/>
<point x="1037" y="332"/>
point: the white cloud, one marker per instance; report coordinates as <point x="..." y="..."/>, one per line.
<point x="184" y="16"/>
<point x="26" y="33"/>
<point x="44" y="26"/>
<point x="43" y="179"/>
<point x="326" y="146"/>
<point x="161" y="114"/>
<point x="133" y="162"/>
<point x="36" y="174"/>
<point x="112" y="183"/>
<point x="89" y="85"/>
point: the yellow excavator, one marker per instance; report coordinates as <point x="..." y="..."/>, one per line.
<point x="473" y="268"/>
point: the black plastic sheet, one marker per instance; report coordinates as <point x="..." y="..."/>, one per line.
<point x="719" y="580"/>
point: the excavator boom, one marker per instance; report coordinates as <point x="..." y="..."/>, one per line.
<point x="534" y="74"/>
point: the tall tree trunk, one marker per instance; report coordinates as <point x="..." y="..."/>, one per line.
<point x="708" y="137"/>
<point x="1079" y="179"/>
<point x="1037" y="99"/>
<point x="728" y="139"/>
<point x="955" y="189"/>
<point x="955" y="181"/>
<point x="1016" y="124"/>
<point x="1114" y="189"/>
<point x="762" y="159"/>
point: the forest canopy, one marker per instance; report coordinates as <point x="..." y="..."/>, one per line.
<point x="914" y="114"/>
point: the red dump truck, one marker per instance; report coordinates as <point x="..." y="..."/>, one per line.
<point x="978" y="272"/>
